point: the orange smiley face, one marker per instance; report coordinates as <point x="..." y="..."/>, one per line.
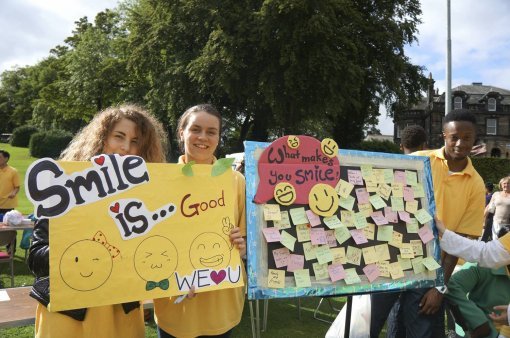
<point x="284" y="193"/>
<point x="293" y="141"/>
<point x="329" y="147"/>
<point x="323" y="200"/>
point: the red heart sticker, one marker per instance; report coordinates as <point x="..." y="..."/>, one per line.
<point x="218" y="277"/>
<point x="115" y="208"/>
<point x="99" y="160"/>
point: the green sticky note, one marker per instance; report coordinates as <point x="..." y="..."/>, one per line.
<point x="430" y="263"/>
<point x="346" y="202"/>
<point x="411" y="178"/>
<point x="342" y="234"/>
<point x="377" y="202"/>
<point x="298" y="216"/>
<point x="360" y="220"/>
<point x="284" y="222"/>
<point x="187" y="170"/>
<point x="412" y="227"/>
<point x="397" y="203"/>
<point x="423" y="216"/>
<point x="388" y="175"/>
<point x="405" y="263"/>
<point x="332" y="222"/>
<point x="302" y="278"/>
<point x="221" y="166"/>
<point x="418" y="266"/>
<point x="366" y="170"/>
<point x="320" y="271"/>
<point x="287" y="240"/>
<point x="309" y="251"/>
<point x="384" y="233"/>
<point x="351" y="276"/>
<point x="418" y="191"/>
<point x="353" y="255"/>
<point x="323" y="254"/>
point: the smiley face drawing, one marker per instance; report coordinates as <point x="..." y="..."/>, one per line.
<point x="284" y="193"/>
<point x="323" y="200"/>
<point x="85" y="265"/>
<point x="293" y="141"/>
<point x="209" y="250"/>
<point x="155" y="260"/>
<point x="329" y="147"/>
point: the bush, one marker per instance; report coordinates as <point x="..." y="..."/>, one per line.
<point x="49" y="143"/>
<point x="21" y="136"/>
<point x="492" y="169"/>
<point x="379" y="146"/>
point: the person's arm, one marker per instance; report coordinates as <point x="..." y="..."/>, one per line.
<point x="14" y="192"/>
<point x="39" y="252"/>
<point x="502" y="315"/>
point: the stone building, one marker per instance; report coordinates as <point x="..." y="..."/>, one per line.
<point x="490" y="104"/>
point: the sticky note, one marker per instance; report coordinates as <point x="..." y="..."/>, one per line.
<point x="320" y="271"/>
<point x="281" y="257"/>
<point x="351" y="276"/>
<point x="417" y="247"/>
<point x="369" y="231"/>
<point x="366" y="209"/>
<point x="408" y="194"/>
<point x="384" y="191"/>
<point x="336" y="272"/>
<point x="303" y="232"/>
<point x="332" y="222"/>
<point x="318" y="236"/>
<point x="346" y="202"/>
<point x="371" y="272"/>
<point x="276" y="279"/>
<point x="360" y="220"/>
<point x="371" y="186"/>
<point x="383" y="268"/>
<point x="272" y="212"/>
<point x="383" y="252"/>
<point x="342" y="234"/>
<point x="405" y="263"/>
<point x="397" y="203"/>
<point x="353" y="255"/>
<point x="298" y="216"/>
<point x="425" y="234"/>
<point x="400" y="177"/>
<point x="404" y="215"/>
<point x="406" y="250"/>
<point x="362" y="195"/>
<point x="390" y="215"/>
<point x="366" y="171"/>
<point x="412" y="206"/>
<point x="330" y="238"/>
<point x="377" y="202"/>
<point x="397" y="189"/>
<point x="418" y="191"/>
<point x="369" y="255"/>
<point x="396" y="271"/>
<point x="430" y="263"/>
<point x="323" y="254"/>
<point x="296" y="262"/>
<point x="344" y="188"/>
<point x="313" y="219"/>
<point x="358" y="236"/>
<point x="412" y="226"/>
<point x="411" y="178"/>
<point x="347" y="218"/>
<point x="354" y="177"/>
<point x="378" y="175"/>
<point x="309" y="251"/>
<point x="385" y="233"/>
<point x="396" y="239"/>
<point x="388" y="175"/>
<point x="418" y="266"/>
<point x="379" y="218"/>
<point x="284" y="222"/>
<point x="302" y="278"/>
<point x="287" y="240"/>
<point x="271" y="234"/>
<point x="423" y="216"/>
<point x="339" y="255"/>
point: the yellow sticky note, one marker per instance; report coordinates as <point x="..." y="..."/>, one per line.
<point x="411" y="178"/>
<point x="423" y="216"/>
<point x="347" y="218"/>
<point x="353" y="255"/>
<point x="342" y="234"/>
<point x="369" y="255"/>
<point x="377" y="202"/>
<point x="383" y="252"/>
<point x="366" y="209"/>
<point x="360" y="220"/>
<point x="298" y="216"/>
<point x="378" y="174"/>
<point x="418" y="266"/>
<point x="418" y="191"/>
<point x="332" y="222"/>
<point x="412" y="207"/>
<point x="384" y="191"/>
<point x="303" y="232"/>
<point x="412" y="227"/>
<point x="276" y="279"/>
<point x="396" y="271"/>
<point x="284" y="222"/>
<point x="344" y="188"/>
<point x="320" y="271"/>
<point x="302" y="278"/>
<point x="396" y="239"/>
<point x="384" y="233"/>
<point x="417" y="246"/>
<point x="430" y="263"/>
<point x="405" y="263"/>
<point x="397" y="189"/>
<point x="272" y="212"/>
<point x="338" y="255"/>
<point x="369" y="231"/>
<point x="384" y="267"/>
<point x="323" y="253"/>
<point x="287" y="240"/>
<point x="366" y="171"/>
<point x="397" y="203"/>
<point x="346" y="202"/>
<point x="351" y="276"/>
<point x="406" y="250"/>
<point x="371" y="186"/>
<point x="309" y="251"/>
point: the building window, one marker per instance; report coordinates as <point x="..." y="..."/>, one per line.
<point x="491" y="126"/>
<point x="457" y="102"/>
<point x="492" y="104"/>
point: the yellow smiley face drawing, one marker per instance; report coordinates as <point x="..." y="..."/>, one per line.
<point x="85" y="265"/>
<point x="329" y="147"/>
<point x="293" y="141"/>
<point x="284" y="193"/>
<point x="323" y="200"/>
<point x="155" y="258"/>
<point x="209" y="250"/>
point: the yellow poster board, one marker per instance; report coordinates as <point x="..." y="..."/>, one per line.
<point x="124" y="230"/>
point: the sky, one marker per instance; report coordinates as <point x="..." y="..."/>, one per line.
<point x="480" y="43"/>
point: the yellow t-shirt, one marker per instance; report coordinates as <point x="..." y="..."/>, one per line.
<point x="9" y="179"/>
<point x="100" y="322"/>
<point x="459" y="196"/>
<point x="209" y="313"/>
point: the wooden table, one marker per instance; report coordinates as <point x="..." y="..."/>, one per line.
<point x="19" y="310"/>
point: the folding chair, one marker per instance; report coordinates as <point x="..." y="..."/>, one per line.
<point x="8" y="239"/>
<point x="316" y="312"/>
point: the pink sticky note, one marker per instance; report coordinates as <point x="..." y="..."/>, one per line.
<point x="359" y="236"/>
<point x="336" y="272"/>
<point x="281" y="257"/>
<point x="400" y="177"/>
<point x="313" y="218"/>
<point x="296" y="262"/>
<point x="404" y="215"/>
<point x="318" y="236"/>
<point x="362" y="195"/>
<point x="330" y="237"/>
<point x="271" y="234"/>
<point x="425" y="234"/>
<point x="408" y="194"/>
<point x="372" y="272"/>
<point x="379" y="218"/>
<point x="354" y="177"/>
<point x="391" y="216"/>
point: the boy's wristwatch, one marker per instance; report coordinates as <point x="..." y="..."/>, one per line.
<point x="442" y="289"/>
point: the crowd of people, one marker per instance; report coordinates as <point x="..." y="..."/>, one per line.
<point x="479" y="292"/>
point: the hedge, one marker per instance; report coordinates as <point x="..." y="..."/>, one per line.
<point x="49" y="143"/>
<point x="492" y="169"/>
<point x="21" y="136"/>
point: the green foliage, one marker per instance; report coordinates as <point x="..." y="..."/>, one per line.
<point x="492" y="169"/>
<point x="21" y="136"/>
<point x="49" y="143"/>
<point x="379" y="146"/>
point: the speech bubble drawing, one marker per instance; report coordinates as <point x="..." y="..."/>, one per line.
<point x="303" y="167"/>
